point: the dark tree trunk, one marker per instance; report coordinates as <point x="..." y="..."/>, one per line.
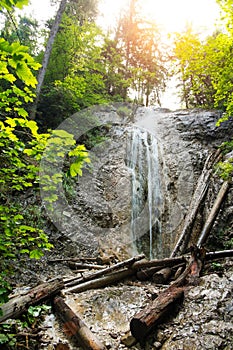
<point x="48" y="50"/>
<point x="74" y="327"/>
<point x="18" y="305"/>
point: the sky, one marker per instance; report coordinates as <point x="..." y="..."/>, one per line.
<point x="171" y="15"/>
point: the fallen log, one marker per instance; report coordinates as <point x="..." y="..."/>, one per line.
<point x="71" y="259"/>
<point x="199" y="194"/>
<point x="172" y="262"/>
<point x="81" y="285"/>
<point x="166" y="262"/>
<point x="18" y="305"/>
<point x="143" y="322"/>
<point x="75" y="265"/>
<point x="219" y="254"/>
<point x="213" y="214"/>
<point x="101" y="281"/>
<point x="126" y="263"/>
<point x="162" y="276"/>
<point x="193" y="269"/>
<point x="146" y="274"/>
<point x="74" y="327"/>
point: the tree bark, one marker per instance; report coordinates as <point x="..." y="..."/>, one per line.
<point x="143" y="322"/>
<point x="200" y="191"/>
<point x="17" y="306"/>
<point x="219" y="254"/>
<point x="48" y="50"/>
<point x="74" y="281"/>
<point x="162" y="276"/>
<point x="166" y="262"/>
<point x="146" y="274"/>
<point x="74" y="265"/>
<point x="102" y="281"/>
<point x="213" y="214"/>
<point x="74" y="327"/>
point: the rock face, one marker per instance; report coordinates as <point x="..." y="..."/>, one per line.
<point x="205" y="320"/>
<point x="101" y="210"/>
<point x="99" y="220"/>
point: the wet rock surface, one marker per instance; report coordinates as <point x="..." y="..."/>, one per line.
<point x="98" y="223"/>
<point x="203" y="321"/>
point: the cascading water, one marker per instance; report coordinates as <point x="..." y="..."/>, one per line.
<point x="143" y="161"/>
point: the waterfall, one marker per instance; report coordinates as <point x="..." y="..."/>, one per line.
<point x="143" y="162"/>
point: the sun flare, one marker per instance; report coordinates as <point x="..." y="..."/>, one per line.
<point x="170" y="15"/>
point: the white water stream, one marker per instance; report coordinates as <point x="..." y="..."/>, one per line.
<point x="143" y="160"/>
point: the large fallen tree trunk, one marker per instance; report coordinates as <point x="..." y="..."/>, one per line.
<point x="74" y="327"/>
<point x="199" y="194"/>
<point x="220" y="254"/>
<point x="213" y="214"/>
<point x="166" y="262"/>
<point x="143" y="322"/>
<point x="101" y="281"/>
<point x="162" y="276"/>
<point x="17" y="306"/>
<point x="126" y="263"/>
<point x="170" y="262"/>
<point x="147" y="319"/>
<point x="83" y="266"/>
<point x="143" y="269"/>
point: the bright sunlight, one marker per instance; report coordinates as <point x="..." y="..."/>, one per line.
<point x="170" y="15"/>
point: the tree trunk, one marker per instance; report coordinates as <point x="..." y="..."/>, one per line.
<point x="213" y="214"/>
<point x="143" y="322"/>
<point x="48" y="50"/>
<point x="17" y="306"/>
<point x="200" y="191"/>
<point x="166" y="262"/>
<point x="83" y="266"/>
<point x="102" y="281"/>
<point x="126" y="263"/>
<point x="74" y="327"/>
<point x="146" y="274"/>
<point x="220" y="254"/>
<point x="162" y="276"/>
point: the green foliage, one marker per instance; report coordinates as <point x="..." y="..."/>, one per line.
<point x="139" y="43"/>
<point x="229" y="244"/>
<point x="19" y="171"/>
<point x="21" y="150"/>
<point x="216" y="266"/>
<point x="75" y="75"/>
<point x="10" y="4"/>
<point x="21" y="29"/>
<point x="17" y="80"/>
<point x="60" y="145"/>
<point x="9" y="331"/>
<point x="205" y="67"/>
<point x="36" y="311"/>
<point x="4" y="288"/>
<point x="225" y="169"/>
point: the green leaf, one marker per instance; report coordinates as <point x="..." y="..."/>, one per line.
<point x="36" y="254"/>
<point x="75" y="169"/>
<point x="3" y="339"/>
<point x="3" y="291"/>
<point x="22" y="112"/>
